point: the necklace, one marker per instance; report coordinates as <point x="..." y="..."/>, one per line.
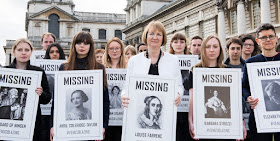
<point x="267" y="59"/>
<point x="156" y="64"/>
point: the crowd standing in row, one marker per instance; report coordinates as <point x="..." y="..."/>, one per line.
<point x="151" y="60"/>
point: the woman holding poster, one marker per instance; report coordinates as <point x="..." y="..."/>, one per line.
<point x="211" y="57"/>
<point x="154" y="61"/>
<point x="82" y="57"/>
<point x="178" y="46"/>
<point x="114" y="57"/>
<point x="22" y="50"/>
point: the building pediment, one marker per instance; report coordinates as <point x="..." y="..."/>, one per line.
<point x="44" y="14"/>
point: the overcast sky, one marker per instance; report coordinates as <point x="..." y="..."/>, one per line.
<point x="12" y="17"/>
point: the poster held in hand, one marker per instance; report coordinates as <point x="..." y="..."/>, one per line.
<point x="217" y="103"/>
<point x="264" y="80"/>
<point x="18" y="103"/>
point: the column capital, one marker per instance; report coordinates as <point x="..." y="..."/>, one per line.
<point x="221" y="4"/>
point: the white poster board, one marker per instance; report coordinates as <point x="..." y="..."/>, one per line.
<point x="78" y="107"/>
<point x="217" y="103"/>
<point x="18" y="103"/>
<point x="151" y="113"/>
<point x="264" y="80"/>
<point x="50" y="67"/>
<point x="115" y="79"/>
<point x="186" y="62"/>
<point x="37" y="54"/>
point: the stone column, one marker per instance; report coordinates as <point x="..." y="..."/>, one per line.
<point x="127" y="17"/>
<point x="136" y="11"/>
<point x="241" y="20"/>
<point x="265" y="11"/>
<point x="221" y="28"/>
<point x="131" y="14"/>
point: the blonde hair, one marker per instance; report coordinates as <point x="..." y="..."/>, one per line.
<point x="21" y="40"/>
<point x="204" y="63"/>
<point x="131" y="48"/>
<point x="107" y="59"/>
<point x="156" y="25"/>
<point x="178" y="36"/>
<point x="48" y="34"/>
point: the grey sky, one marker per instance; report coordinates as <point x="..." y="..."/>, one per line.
<point x="12" y="17"/>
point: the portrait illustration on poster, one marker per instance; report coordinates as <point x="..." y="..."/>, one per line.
<point x="150" y="118"/>
<point x="185" y="78"/>
<point x="78" y="104"/>
<point x="12" y="103"/>
<point x="115" y="96"/>
<point x="217" y="102"/>
<point x="271" y="89"/>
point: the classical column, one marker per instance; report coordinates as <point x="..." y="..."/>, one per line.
<point x="136" y="11"/>
<point x="221" y="28"/>
<point x="131" y="14"/>
<point x="241" y="20"/>
<point x="265" y="11"/>
<point x="127" y="17"/>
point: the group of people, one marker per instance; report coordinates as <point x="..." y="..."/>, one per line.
<point x="150" y="60"/>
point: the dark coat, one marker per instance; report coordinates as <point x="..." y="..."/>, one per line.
<point x="43" y="99"/>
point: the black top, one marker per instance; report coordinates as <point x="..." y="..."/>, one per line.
<point x="154" y="67"/>
<point x="43" y="99"/>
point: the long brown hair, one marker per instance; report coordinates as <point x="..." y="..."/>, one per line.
<point x="85" y="37"/>
<point x="107" y="59"/>
<point x="178" y="36"/>
<point x="204" y="60"/>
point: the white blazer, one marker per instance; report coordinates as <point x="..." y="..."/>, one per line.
<point x="168" y="66"/>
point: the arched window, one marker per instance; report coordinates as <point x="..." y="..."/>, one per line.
<point x="54" y="24"/>
<point x="118" y="33"/>
<point x="102" y="34"/>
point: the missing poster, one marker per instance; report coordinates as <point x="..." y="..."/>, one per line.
<point x="217" y="103"/>
<point x="18" y="103"/>
<point x="186" y="62"/>
<point x="151" y="113"/>
<point x="115" y="79"/>
<point x="50" y="67"/>
<point x="78" y="107"/>
<point x="264" y="80"/>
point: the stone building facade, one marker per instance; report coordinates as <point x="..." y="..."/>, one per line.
<point x="59" y="18"/>
<point x="224" y="18"/>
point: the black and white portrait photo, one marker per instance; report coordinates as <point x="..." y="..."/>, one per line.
<point x="217" y="102"/>
<point x="271" y="93"/>
<point x="150" y="118"/>
<point x="12" y="103"/>
<point x="50" y="78"/>
<point x="78" y="104"/>
<point x="185" y="78"/>
<point x="115" y="96"/>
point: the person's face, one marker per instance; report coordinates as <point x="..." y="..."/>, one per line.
<point x="47" y="40"/>
<point x="99" y="57"/>
<point x="154" y="107"/>
<point x="77" y="99"/>
<point x="22" y="52"/>
<point x="142" y="48"/>
<point x="14" y="94"/>
<point x="178" y="46"/>
<point x="82" y="49"/>
<point x="114" y="50"/>
<point x="273" y="95"/>
<point x="154" y="38"/>
<point x="248" y="47"/>
<point x="196" y="46"/>
<point x="212" y="49"/>
<point x="267" y="40"/>
<point x="115" y="91"/>
<point x="215" y="93"/>
<point x="129" y="54"/>
<point x="54" y="53"/>
<point x="234" y="51"/>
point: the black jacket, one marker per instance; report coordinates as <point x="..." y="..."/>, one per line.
<point x="43" y="99"/>
<point x="241" y="60"/>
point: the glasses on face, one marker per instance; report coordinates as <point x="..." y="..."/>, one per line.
<point x="270" y="37"/>
<point x="142" y="50"/>
<point x="115" y="49"/>
<point x="248" y="45"/>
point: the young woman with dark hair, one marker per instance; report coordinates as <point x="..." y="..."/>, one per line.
<point x="55" y="52"/>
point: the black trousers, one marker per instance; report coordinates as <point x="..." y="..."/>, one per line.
<point x="113" y="133"/>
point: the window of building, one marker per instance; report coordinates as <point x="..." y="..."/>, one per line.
<point x="54" y="24"/>
<point x="256" y="18"/>
<point x="233" y="21"/>
<point x="102" y="34"/>
<point x="86" y="29"/>
<point x="118" y="33"/>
